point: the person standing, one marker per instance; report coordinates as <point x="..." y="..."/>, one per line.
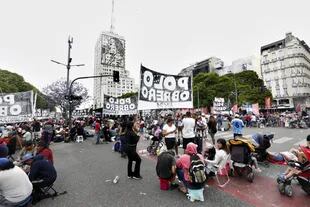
<point x="132" y="141"/>
<point x="212" y="128"/>
<point x="97" y="131"/>
<point x="169" y="132"/>
<point x="188" y="130"/>
<point x="237" y="125"/>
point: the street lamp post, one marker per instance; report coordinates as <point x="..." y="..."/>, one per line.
<point x="68" y="66"/>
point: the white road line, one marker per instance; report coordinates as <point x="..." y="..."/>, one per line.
<point x="302" y="142"/>
<point x="282" y="140"/>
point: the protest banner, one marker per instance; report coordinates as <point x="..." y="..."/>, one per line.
<point x="119" y="106"/>
<point x="16" y="107"/>
<point x="219" y="105"/>
<point x="160" y="91"/>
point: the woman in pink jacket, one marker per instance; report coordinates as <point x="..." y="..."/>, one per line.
<point x="183" y="165"/>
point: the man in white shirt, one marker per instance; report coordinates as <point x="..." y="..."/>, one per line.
<point x="188" y="130"/>
<point x="15" y="186"/>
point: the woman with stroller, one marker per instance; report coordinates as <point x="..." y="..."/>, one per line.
<point x="220" y="155"/>
<point x="132" y="141"/>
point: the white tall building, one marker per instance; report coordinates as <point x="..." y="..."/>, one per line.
<point x="285" y="68"/>
<point x="110" y="56"/>
<point x="243" y="64"/>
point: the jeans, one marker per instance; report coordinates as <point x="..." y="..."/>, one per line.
<point x="97" y="135"/>
<point x="133" y="156"/>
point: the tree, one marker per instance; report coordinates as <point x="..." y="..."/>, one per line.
<point x="129" y="94"/>
<point x="58" y="90"/>
<point x="210" y="85"/>
<point x="13" y="83"/>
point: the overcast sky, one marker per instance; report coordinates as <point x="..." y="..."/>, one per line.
<point x="164" y="35"/>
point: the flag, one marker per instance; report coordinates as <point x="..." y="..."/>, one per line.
<point x="267" y="102"/>
<point x="255" y="109"/>
<point x="234" y="109"/>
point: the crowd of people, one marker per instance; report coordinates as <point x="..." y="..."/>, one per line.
<point x="26" y="156"/>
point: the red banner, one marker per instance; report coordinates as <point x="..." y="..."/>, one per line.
<point x="234" y="109"/>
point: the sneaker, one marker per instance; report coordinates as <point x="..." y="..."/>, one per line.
<point x="137" y="177"/>
<point x="129" y="177"/>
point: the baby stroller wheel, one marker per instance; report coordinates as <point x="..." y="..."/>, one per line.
<point x="288" y="190"/>
<point x="149" y="149"/>
<point x="250" y="177"/>
<point x="238" y="171"/>
<point x="281" y="187"/>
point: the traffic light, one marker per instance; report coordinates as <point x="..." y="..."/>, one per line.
<point x="116" y="76"/>
<point x="74" y="97"/>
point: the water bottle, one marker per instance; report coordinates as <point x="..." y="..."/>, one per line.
<point x="116" y="179"/>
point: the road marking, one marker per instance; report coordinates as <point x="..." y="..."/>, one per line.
<point x="282" y="140"/>
<point x="302" y="142"/>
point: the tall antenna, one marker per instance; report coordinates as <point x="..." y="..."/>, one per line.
<point x="112" y="18"/>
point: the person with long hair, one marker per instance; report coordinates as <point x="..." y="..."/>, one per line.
<point x="212" y="128"/>
<point x="132" y="136"/>
<point x="221" y="152"/>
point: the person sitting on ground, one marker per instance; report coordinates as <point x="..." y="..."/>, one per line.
<point x="183" y="168"/>
<point x="42" y="174"/>
<point x="221" y="153"/>
<point x="15" y="187"/>
<point x="166" y="169"/>
<point x="27" y="149"/>
<point x="45" y="151"/>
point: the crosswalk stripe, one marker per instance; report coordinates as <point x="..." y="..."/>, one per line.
<point x="282" y="140"/>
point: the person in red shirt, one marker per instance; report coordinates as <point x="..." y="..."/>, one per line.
<point x="45" y="151"/>
<point x="97" y="131"/>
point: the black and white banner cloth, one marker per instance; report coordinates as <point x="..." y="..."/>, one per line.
<point x="160" y="91"/>
<point x="120" y="106"/>
<point x="16" y="107"/>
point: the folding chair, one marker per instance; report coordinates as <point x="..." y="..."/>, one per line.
<point x="222" y="168"/>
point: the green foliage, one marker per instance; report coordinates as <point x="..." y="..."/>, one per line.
<point x="13" y="83"/>
<point x="248" y="86"/>
<point x="128" y="95"/>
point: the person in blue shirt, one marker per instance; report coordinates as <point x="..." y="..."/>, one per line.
<point x="237" y="125"/>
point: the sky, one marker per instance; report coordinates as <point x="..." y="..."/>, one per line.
<point x="163" y="35"/>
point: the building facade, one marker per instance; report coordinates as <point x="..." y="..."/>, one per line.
<point x="110" y="56"/>
<point x="243" y="64"/>
<point x="285" y="66"/>
<point x="212" y="64"/>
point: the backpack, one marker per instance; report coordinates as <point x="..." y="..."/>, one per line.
<point x="197" y="170"/>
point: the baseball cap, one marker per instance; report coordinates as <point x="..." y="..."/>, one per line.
<point x="237" y="115"/>
<point x="27" y="157"/>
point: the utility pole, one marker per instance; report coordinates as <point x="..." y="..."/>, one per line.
<point x="68" y="66"/>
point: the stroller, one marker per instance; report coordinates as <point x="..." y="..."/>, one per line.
<point x="241" y="157"/>
<point x="264" y="142"/>
<point x="303" y="178"/>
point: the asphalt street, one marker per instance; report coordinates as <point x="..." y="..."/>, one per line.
<point x="86" y="172"/>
